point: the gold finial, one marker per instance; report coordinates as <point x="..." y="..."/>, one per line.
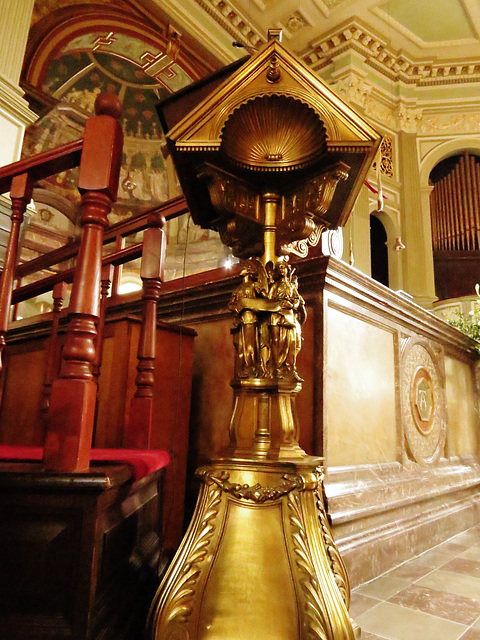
<point x="273" y="74"/>
<point x="275" y="34"/>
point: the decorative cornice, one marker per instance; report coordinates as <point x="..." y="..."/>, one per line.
<point x="236" y="24"/>
<point x="426" y="119"/>
<point x="449" y="123"/>
<point x="14" y="104"/>
<point x="380" y="56"/>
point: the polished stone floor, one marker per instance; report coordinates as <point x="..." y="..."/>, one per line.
<point x="435" y="596"/>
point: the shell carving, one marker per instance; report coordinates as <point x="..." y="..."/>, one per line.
<point x="274" y="133"/>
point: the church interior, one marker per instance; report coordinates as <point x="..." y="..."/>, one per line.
<point x="235" y="238"/>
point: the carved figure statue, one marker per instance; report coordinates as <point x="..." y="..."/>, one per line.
<point x="269" y="312"/>
<point x="245" y="330"/>
<point x="285" y="322"/>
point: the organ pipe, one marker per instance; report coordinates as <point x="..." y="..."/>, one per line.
<point x="476" y="194"/>
<point x="455" y="207"/>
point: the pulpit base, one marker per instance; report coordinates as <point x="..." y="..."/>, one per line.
<point x="258" y="560"/>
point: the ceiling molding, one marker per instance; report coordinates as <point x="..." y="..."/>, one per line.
<point x="204" y="25"/>
<point x="355" y="36"/>
<point x="233" y="21"/>
<point x="472" y="9"/>
<point x="323" y="7"/>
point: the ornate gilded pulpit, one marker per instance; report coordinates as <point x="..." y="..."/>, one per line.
<point x="270" y="157"/>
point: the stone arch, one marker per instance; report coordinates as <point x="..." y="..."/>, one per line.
<point x="444" y="150"/>
<point x="391" y="225"/>
<point x="451" y="279"/>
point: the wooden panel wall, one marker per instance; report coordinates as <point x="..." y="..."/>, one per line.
<point x="21" y="422"/>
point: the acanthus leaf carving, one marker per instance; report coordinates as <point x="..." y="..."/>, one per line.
<point x="337" y="565"/>
<point x="178" y="595"/>
<point x="409" y="118"/>
<point x="353" y="89"/>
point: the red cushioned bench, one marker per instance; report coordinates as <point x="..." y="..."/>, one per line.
<point x="142" y="461"/>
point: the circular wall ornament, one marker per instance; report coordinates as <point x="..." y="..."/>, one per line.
<point x="423" y="402"/>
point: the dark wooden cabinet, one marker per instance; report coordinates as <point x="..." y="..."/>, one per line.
<point x="78" y="553"/>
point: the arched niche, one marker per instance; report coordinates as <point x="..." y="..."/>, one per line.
<point x="391" y="225"/>
<point x="378" y="250"/>
<point x="444" y="150"/>
<point x="455" y="222"/>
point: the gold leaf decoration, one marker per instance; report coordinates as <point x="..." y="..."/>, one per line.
<point x="175" y="596"/>
<point x="274" y="133"/>
<point x="336" y="562"/>
<point x="316" y="609"/>
<point x="256" y="492"/>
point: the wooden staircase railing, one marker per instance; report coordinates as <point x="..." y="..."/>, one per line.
<point x="21" y="188"/>
<point x="73" y="395"/>
<point x="68" y="403"/>
<point x="139" y="429"/>
<point x="59" y="293"/>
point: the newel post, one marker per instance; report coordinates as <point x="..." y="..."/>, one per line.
<point x="72" y="403"/>
<point x="139" y="429"/>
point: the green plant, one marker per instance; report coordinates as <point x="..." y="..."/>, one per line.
<point x="469" y="323"/>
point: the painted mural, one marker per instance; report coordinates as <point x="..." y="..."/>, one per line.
<point x="116" y="63"/>
<point x="141" y="75"/>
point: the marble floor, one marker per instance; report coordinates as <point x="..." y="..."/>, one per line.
<point x="435" y="596"/>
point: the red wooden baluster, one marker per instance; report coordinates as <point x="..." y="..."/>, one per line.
<point x="20" y="194"/>
<point x="73" y="398"/>
<point x="106" y="281"/>
<point x="15" y="306"/>
<point x="117" y="270"/>
<point x="139" y="430"/>
<point x="59" y="293"/>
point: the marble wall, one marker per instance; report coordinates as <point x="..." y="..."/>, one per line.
<point x="400" y="424"/>
<point x="359" y="389"/>
<point x="463" y="432"/>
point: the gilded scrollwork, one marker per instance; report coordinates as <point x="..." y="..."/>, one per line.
<point x="316" y="610"/>
<point x="257" y="493"/>
<point x="336" y="563"/>
<point x="315" y="196"/>
<point x="269" y="312"/>
<point x="300" y="247"/>
<point x="177" y="605"/>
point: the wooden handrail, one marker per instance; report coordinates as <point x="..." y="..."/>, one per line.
<point x="169" y="210"/>
<point x="42" y="165"/>
<point x="73" y="398"/>
<point x="33" y="289"/>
